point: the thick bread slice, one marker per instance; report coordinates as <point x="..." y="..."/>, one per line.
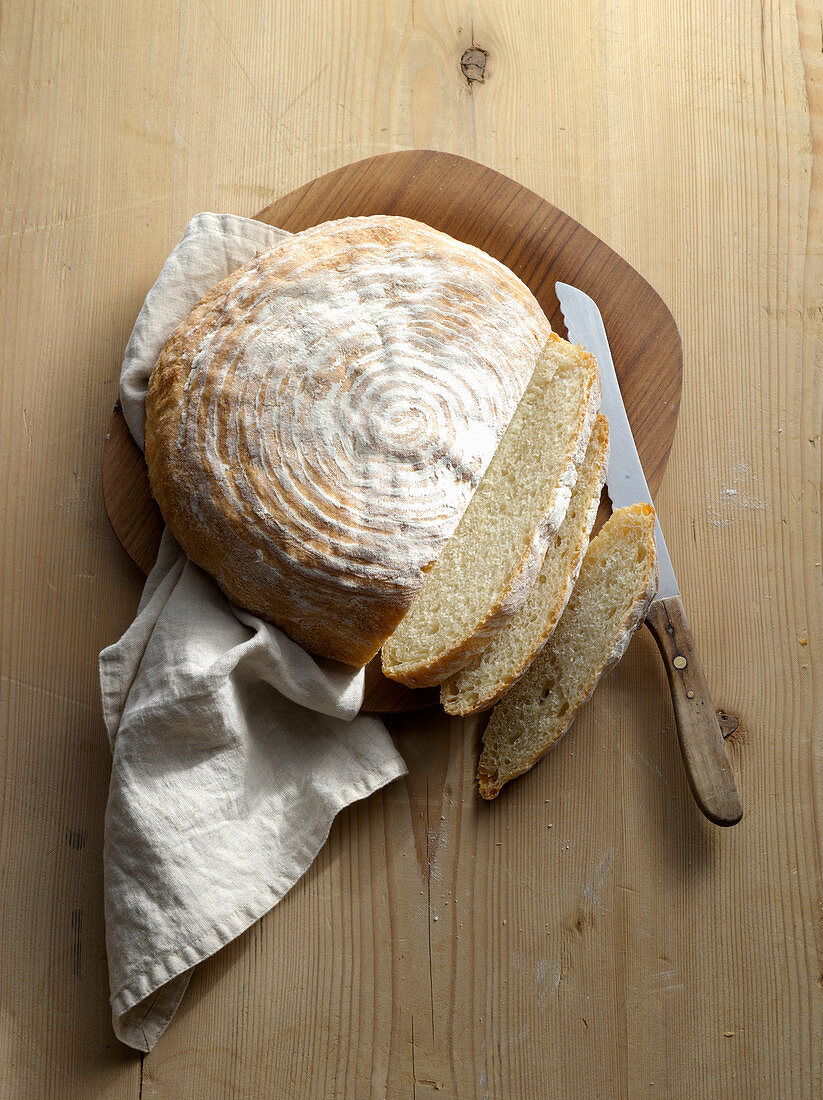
<point x="617" y="582"/>
<point x="482" y="682"/>
<point x="488" y="566"/>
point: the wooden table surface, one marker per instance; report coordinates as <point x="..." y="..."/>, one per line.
<point x="588" y="935"/>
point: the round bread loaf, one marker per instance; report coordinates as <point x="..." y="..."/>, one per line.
<point x="317" y="424"/>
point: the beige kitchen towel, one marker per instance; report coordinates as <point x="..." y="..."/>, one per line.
<point x="233" y="749"/>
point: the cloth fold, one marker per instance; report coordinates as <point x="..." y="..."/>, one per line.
<point x="232" y="748"/>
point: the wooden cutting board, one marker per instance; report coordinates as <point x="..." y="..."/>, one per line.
<point x="536" y="240"/>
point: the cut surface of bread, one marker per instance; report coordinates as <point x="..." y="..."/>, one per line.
<point x="617" y="581"/>
<point x="482" y="682"/>
<point x="487" y="569"/>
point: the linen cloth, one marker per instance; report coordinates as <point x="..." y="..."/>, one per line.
<point x="232" y="748"/>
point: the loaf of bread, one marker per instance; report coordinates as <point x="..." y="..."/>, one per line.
<point x="484" y="680"/>
<point x="487" y="569"/>
<point x="617" y="581"/>
<point x="317" y="424"/>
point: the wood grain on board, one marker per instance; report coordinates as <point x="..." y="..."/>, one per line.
<point x="536" y="240"/>
<point x="589" y="934"/>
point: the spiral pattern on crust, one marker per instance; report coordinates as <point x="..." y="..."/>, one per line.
<point x="321" y="419"/>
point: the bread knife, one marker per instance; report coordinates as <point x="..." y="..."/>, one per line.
<point x="707" y="763"/>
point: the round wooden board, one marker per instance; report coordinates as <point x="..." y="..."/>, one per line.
<point x="540" y="243"/>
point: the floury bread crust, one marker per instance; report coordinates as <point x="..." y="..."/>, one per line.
<point x="317" y="424"/>
<point x="489" y="566"/>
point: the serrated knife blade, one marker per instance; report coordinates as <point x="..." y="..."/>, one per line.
<point x="626" y="482"/>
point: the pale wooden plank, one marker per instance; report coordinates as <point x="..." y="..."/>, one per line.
<point x="688" y="139"/>
<point x="57" y="340"/>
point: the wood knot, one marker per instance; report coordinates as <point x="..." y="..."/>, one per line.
<point x="473" y="65"/>
<point x="581" y="923"/>
<point x="730" y="727"/>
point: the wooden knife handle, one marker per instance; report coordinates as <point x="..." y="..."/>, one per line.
<point x="708" y="767"/>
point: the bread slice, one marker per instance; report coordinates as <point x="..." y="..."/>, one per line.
<point x="482" y="682"/>
<point x="488" y="566"/>
<point x="617" y="581"/>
